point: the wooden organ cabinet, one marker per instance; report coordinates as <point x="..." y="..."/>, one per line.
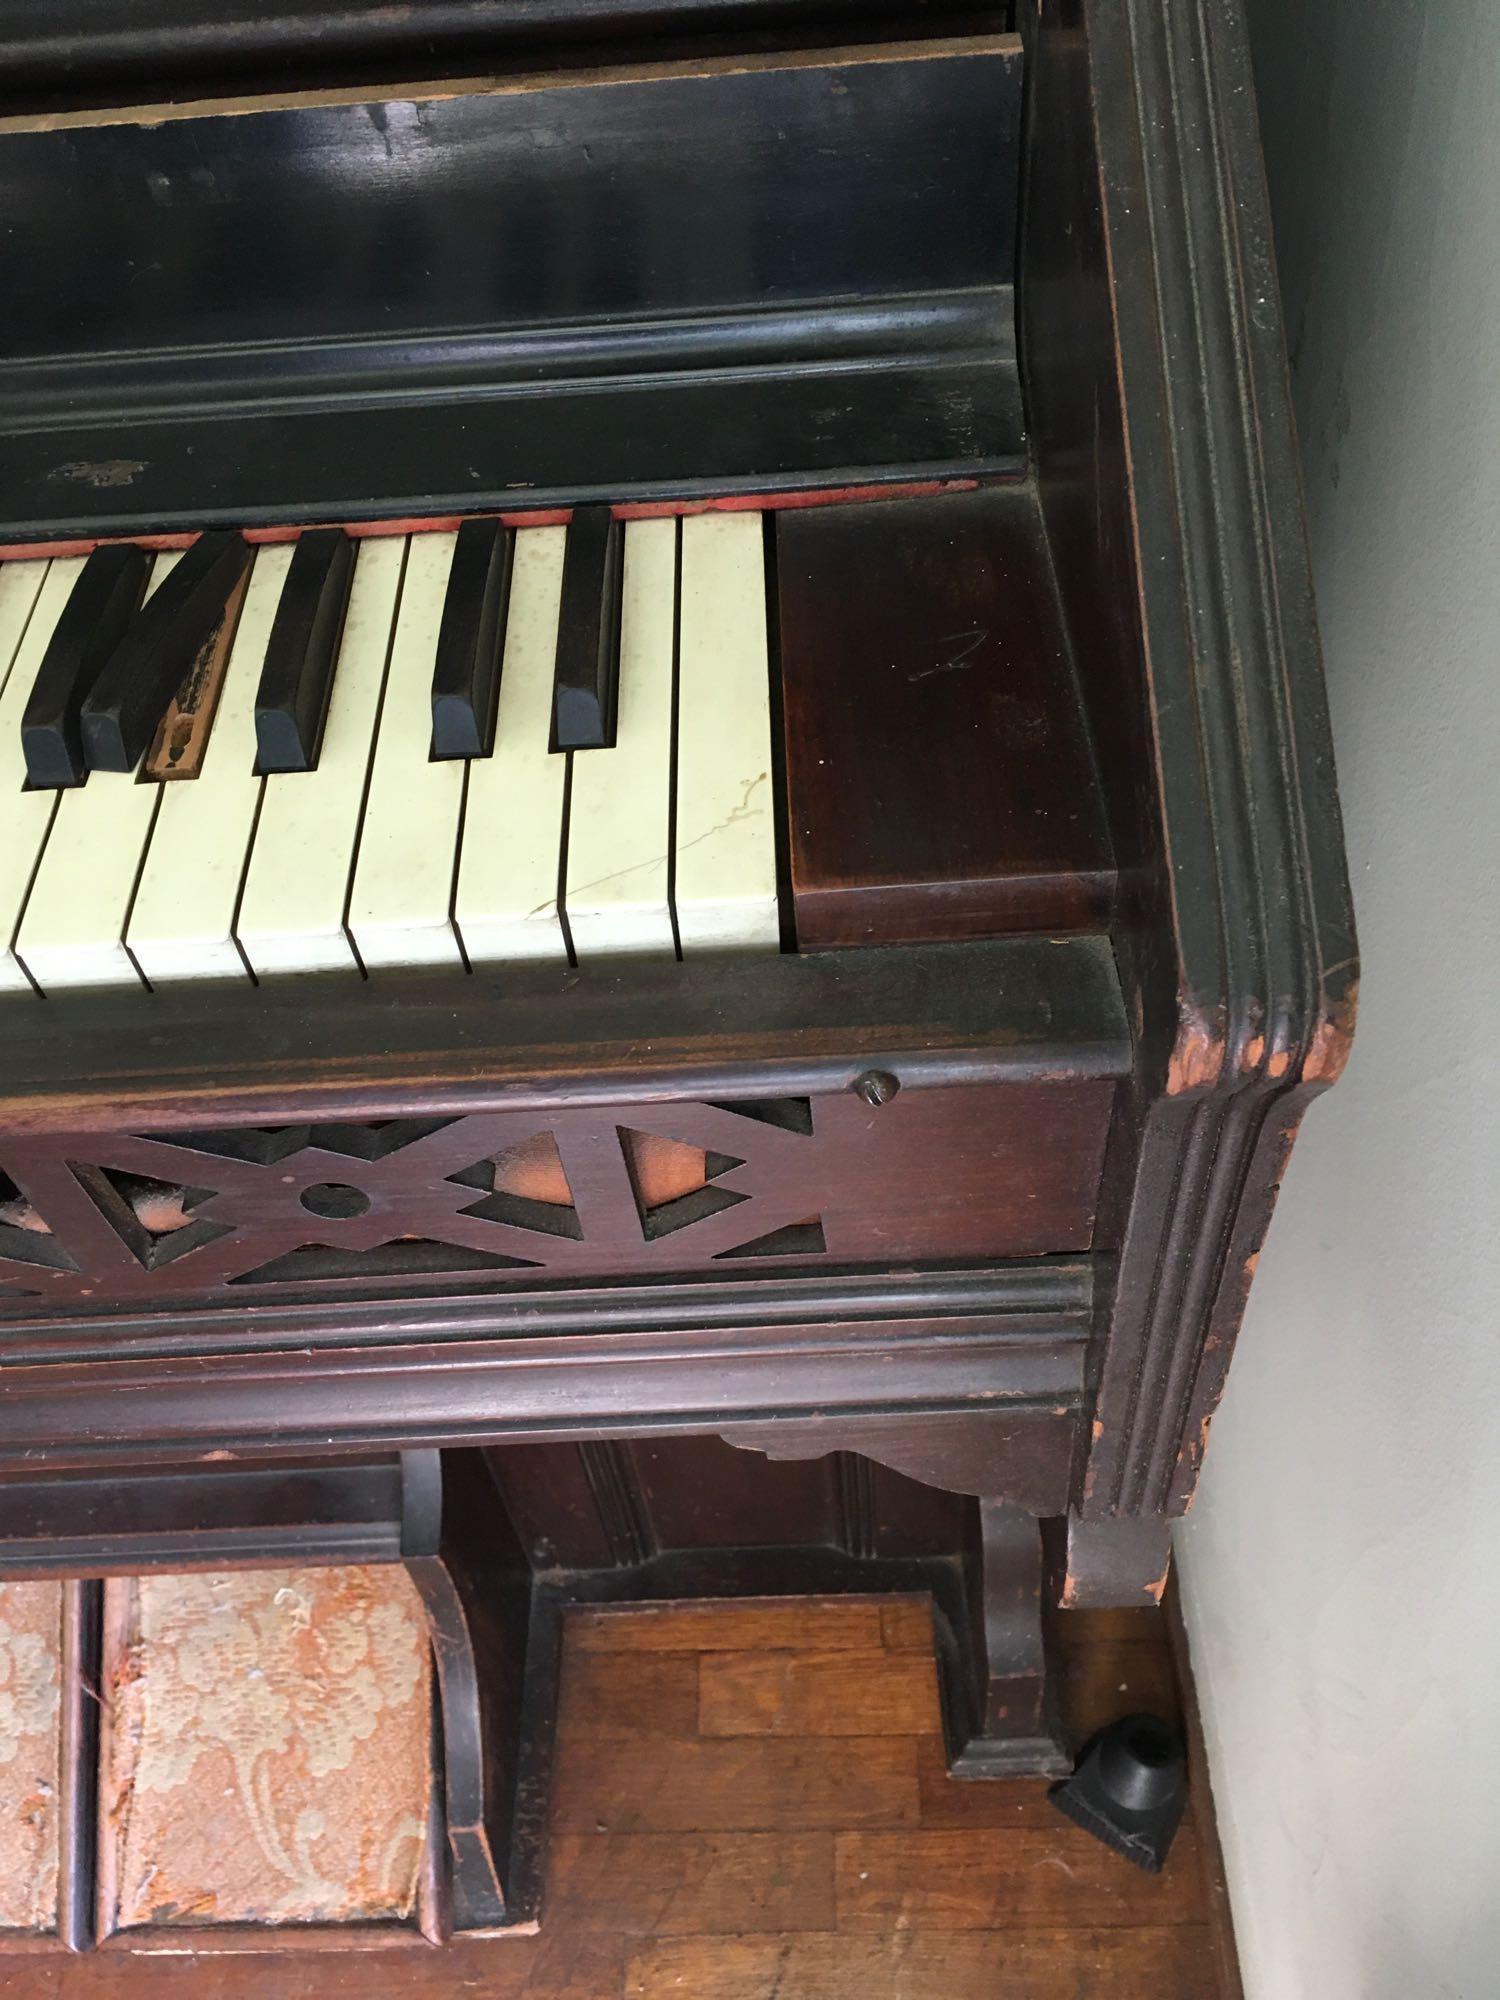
<point x="751" y="557"/>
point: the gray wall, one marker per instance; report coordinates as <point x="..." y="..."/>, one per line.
<point x="1341" y="1573"/>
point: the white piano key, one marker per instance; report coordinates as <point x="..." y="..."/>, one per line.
<point x="619" y="807"/>
<point x="73" y="929"/>
<point x="291" y="916"/>
<point x="29" y="610"/>
<point x="512" y="841"/>
<point x="726" y="841"/>
<point x="182" y="921"/>
<point x="400" y="908"/>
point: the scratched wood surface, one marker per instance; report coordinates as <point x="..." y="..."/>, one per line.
<point x="751" y="1800"/>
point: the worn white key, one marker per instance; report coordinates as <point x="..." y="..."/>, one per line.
<point x="512" y="844"/>
<point x="182" y="921"/>
<point x="619" y="808"/>
<point x="400" y="908"/>
<point x="726" y="842"/>
<point x="291" y="916"/>
<point x="73" y="929"/>
<point x="32" y="595"/>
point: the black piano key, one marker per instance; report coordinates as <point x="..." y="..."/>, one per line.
<point x="291" y="702"/>
<point x="161" y="642"/>
<point x="587" y="678"/>
<point x="99" y="608"/>
<point x="466" y="673"/>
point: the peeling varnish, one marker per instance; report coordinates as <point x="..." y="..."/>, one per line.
<point x="1329" y="1049"/>
<point x="1197" y="1058"/>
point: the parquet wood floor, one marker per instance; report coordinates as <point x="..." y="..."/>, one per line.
<point x="751" y="1804"/>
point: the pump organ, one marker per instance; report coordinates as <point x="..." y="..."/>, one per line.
<point x="664" y="793"/>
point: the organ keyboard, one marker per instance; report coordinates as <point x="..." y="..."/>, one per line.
<point x="706" y="985"/>
<point x="381" y="853"/>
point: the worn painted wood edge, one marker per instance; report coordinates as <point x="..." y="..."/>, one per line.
<point x="290" y="1401"/>
<point x="1023" y="1300"/>
<point x="1262" y="923"/>
<point x="334" y="1046"/>
<point x="429" y="90"/>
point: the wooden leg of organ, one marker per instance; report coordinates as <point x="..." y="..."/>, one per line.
<point x="1002" y="1722"/>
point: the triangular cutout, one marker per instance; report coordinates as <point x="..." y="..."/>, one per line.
<point x="525" y="1187"/>
<point x="26" y="1237"/>
<point x="405" y="1257"/>
<point x="791" y="1114"/>
<point x="152" y="1218"/>
<point x="796" y="1239"/>
<point x="532" y="1172"/>
<point x="160" y="1207"/>
<point x="664" y="1170"/>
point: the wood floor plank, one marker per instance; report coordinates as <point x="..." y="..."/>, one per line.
<point x="818" y="1694"/>
<point x="678" y="1885"/>
<point x="609" y="1694"/>
<point x="737" y="1625"/>
<point x="1135" y="1625"/>
<point x="774" y="1866"/>
<point x="958" y="1802"/>
<point x="906" y="1625"/>
<point x="1033" y="1877"/>
<point x="1098" y="1684"/>
<point x="1171" y="1964"/>
<point x="747" y="1784"/>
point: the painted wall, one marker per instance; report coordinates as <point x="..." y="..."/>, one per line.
<point x="1342" y="1566"/>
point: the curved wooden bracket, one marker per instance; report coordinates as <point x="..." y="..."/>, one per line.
<point x="475" y="1589"/>
<point x="1023" y="1456"/>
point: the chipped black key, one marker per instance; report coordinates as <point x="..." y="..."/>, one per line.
<point x="147" y="667"/>
<point x="587" y="677"/>
<point x="291" y="702"/>
<point x="466" y="672"/>
<point x="100" y="606"/>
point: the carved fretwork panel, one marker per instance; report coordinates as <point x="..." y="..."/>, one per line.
<point x="248" y="1211"/>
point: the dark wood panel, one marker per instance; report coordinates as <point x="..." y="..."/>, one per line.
<point x="347" y="304"/>
<point x="288" y="1211"/>
<point x="769" y="1024"/>
<point x="147" y="1411"/>
<point x="702" y="1493"/>
<point x="940" y="781"/>
<point x="661" y="439"/>
<point x="249" y="1516"/>
<point x="1043" y="1307"/>
<point x="121" y="47"/>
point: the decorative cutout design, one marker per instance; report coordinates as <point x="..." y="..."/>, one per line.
<point x="152" y="1217"/>
<point x="102" y="1217"/>
<point x="796" y="1239"/>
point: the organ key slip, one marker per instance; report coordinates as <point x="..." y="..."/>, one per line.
<point x="670" y="881"/>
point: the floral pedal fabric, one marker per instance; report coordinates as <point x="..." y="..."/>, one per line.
<point x="30" y="1753"/>
<point x="266" y="1748"/>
